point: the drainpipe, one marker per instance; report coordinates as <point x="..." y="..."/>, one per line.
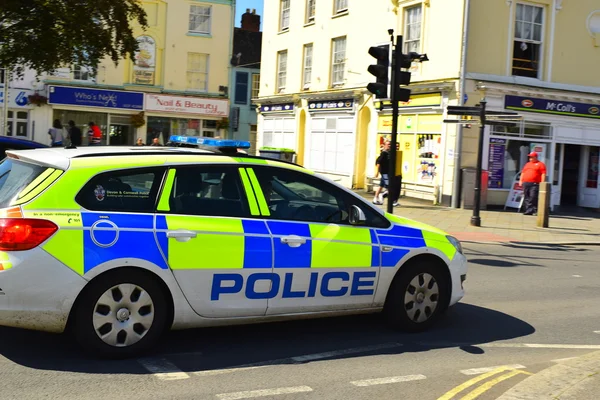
<point x="230" y="67"/>
<point x="461" y="102"/>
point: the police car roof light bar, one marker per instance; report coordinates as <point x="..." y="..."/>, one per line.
<point x="210" y="142"/>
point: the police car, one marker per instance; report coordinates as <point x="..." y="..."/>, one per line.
<point x="118" y="245"/>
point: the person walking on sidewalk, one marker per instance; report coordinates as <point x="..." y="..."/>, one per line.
<point x="383" y="168"/>
<point x="56" y="133"/>
<point x="534" y="172"/>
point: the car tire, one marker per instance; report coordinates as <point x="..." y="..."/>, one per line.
<point x="120" y="314"/>
<point x="418" y="296"/>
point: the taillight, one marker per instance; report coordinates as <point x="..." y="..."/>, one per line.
<point x="18" y="234"/>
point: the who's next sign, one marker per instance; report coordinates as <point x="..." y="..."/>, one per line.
<point x="557" y="107"/>
<point x="99" y="98"/>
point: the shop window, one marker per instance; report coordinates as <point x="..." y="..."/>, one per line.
<point x="331" y="142"/>
<point x="241" y="88"/>
<point x="200" y="19"/>
<point x="527" y="46"/>
<point x="210" y="191"/>
<point x="279" y="132"/>
<point x="128" y="191"/>
<point x="525" y="129"/>
<point x="507" y="157"/>
<point x="17" y="123"/>
<point x="338" y="61"/>
<point x="592" y="168"/>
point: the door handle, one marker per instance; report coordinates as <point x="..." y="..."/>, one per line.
<point x="386" y="249"/>
<point x="293" y="241"/>
<point x="182" y="236"/>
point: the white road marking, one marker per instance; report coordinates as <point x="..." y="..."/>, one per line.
<point x="596" y="331"/>
<point x="576" y="276"/>
<point x="479" y="371"/>
<point x="559" y="360"/>
<point x="213" y="372"/>
<point x="544" y="346"/>
<point x="391" y="379"/>
<point x="252" y="394"/>
<point x="162" y="369"/>
<point x="355" y="350"/>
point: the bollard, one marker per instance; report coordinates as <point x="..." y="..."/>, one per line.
<point x="543" y="215"/>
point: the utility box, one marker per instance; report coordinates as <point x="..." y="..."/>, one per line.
<point x="468" y="188"/>
<point x="278" y="153"/>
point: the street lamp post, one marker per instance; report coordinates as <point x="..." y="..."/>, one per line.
<point x="476" y="219"/>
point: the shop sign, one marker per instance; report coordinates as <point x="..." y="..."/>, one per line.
<point x="144" y="66"/>
<point x="83" y="97"/>
<point x="331" y="105"/>
<point x="496" y="163"/>
<point x="417" y="100"/>
<point x="273" y="108"/>
<point x="17" y="98"/>
<point x="546" y="106"/>
<point x="187" y="105"/>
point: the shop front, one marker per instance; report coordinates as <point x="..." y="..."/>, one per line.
<point x="182" y="115"/>
<point x="565" y="134"/>
<point x="19" y="113"/>
<point x="421" y="143"/>
<point x="330" y="141"/>
<point x="278" y="126"/>
<point x="111" y="110"/>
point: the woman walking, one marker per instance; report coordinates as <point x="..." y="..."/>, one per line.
<point x="56" y="134"/>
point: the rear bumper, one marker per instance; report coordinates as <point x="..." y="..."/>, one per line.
<point x="37" y="292"/>
<point x="458" y="273"/>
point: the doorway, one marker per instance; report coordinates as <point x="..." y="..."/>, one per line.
<point x="121" y="135"/>
<point x="570" y="177"/>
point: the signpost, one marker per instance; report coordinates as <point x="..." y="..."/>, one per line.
<point x="498" y="118"/>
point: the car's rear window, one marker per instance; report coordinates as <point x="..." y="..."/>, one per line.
<point x="14" y="177"/>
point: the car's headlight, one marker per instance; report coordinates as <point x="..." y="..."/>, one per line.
<point x="456" y="243"/>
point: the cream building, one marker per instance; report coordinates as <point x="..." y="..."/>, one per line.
<point x="524" y="56"/>
<point x="177" y="84"/>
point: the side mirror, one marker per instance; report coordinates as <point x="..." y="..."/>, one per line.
<point x="357" y="216"/>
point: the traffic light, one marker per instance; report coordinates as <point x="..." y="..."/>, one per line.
<point x="381" y="71"/>
<point x="403" y="77"/>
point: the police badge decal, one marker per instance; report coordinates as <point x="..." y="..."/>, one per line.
<point x="100" y="193"/>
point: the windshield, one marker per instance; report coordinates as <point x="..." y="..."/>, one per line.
<point x="14" y="177"/>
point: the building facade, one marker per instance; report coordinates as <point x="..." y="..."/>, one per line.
<point x="177" y="83"/>
<point x="245" y="79"/>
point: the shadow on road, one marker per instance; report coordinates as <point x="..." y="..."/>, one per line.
<point x="275" y="343"/>
<point x="490" y="262"/>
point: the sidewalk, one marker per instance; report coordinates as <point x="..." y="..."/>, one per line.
<point x="500" y="225"/>
<point x="578" y="378"/>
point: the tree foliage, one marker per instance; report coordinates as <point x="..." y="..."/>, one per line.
<point x="48" y="34"/>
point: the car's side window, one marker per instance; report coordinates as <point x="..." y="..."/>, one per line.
<point x="122" y="190"/>
<point x="208" y="190"/>
<point x="294" y="196"/>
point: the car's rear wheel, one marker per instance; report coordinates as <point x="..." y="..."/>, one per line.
<point x="120" y="314"/>
<point x="418" y="296"/>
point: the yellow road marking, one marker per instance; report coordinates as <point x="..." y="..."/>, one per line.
<point x="471" y="382"/>
<point x="490" y="384"/>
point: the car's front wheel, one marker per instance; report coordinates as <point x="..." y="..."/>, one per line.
<point x="418" y="296"/>
<point x="120" y="314"/>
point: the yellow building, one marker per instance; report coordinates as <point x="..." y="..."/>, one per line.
<point x="178" y="79"/>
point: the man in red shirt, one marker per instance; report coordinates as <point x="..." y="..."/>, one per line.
<point x="533" y="173"/>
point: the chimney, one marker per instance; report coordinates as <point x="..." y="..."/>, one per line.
<point x="251" y="21"/>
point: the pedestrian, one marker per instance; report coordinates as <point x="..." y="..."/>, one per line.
<point x="383" y="168"/>
<point x="533" y="173"/>
<point x="155" y="142"/>
<point x="74" y="134"/>
<point x="397" y="189"/>
<point x="56" y="134"/>
<point x="94" y="135"/>
<point x="140" y="142"/>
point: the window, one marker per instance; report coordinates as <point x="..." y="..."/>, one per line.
<point x="338" y="61"/>
<point x="284" y="18"/>
<point x="19" y="124"/>
<point x="341" y="6"/>
<point x="129" y="190"/>
<point x="295" y="196"/>
<point x="241" y="88"/>
<point x="197" y="71"/>
<point x="307" y="75"/>
<point x="81" y="73"/>
<point x="255" y="85"/>
<point x="281" y="70"/>
<point x="208" y="190"/>
<point x="310" y="11"/>
<point x="527" y="47"/>
<point x="200" y="19"/>
<point x="14" y="177"/>
<point x="412" y="29"/>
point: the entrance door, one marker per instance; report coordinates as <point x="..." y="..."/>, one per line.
<point x="588" y="182"/>
<point x="121" y="135"/>
<point x="557" y="175"/>
<point x="570" y="175"/>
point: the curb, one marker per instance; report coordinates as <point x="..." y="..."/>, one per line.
<point x="554" y="382"/>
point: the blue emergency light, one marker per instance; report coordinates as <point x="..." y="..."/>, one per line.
<point x="209" y="142"/>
